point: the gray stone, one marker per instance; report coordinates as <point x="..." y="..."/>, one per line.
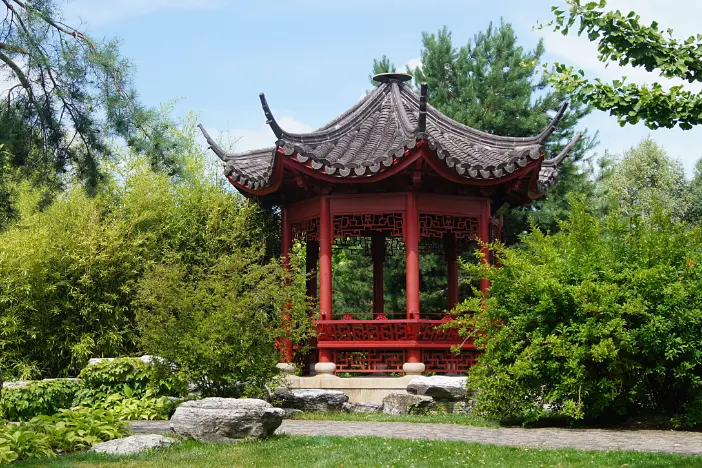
<point x="225" y="419"/>
<point x="363" y="407"/>
<point x="312" y="399"/>
<point x="402" y="403"/>
<point x="133" y="444"/>
<point x="290" y="412"/>
<point x="439" y="387"/>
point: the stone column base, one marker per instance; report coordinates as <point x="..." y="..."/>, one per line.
<point x="413" y="368"/>
<point x="325" y="368"/>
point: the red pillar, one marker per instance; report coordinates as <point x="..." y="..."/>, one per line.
<point x="286" y="244"/>
<point x="412" y="250"/>
<point x="485" y="237"/>
<point x="378" y="256"/>
<point x="451" y="252"/>
<point x="325" y="268"/>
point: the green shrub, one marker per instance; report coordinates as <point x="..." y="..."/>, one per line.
<point x="70" y="272"/>
<point x="600" y="321"/>
<point x="130" y="388"/>
<point x="65" y="431"/>
<point x="35" y="398"/>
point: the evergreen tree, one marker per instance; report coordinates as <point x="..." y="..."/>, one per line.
<point x="381" y="66"/>
<point x="72" y="95"/>
<point x="493" y="84"/>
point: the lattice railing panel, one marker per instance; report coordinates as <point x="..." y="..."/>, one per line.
<point x="432" y="332"/>
<point x="434" y="225"/>
<point x="380" y="330"/>
<point x="306" y="230"/>
<point x="375" y="360"/>
<point x="444" y="360"/>
<point x="361" y="225"/>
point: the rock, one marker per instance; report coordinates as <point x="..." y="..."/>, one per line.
<point x="133" y="444"/>
<point x="225" y="419"/>
<point x="403" y="403"/>
<point x="290" y="412"/>
<point x="312" y="399"/>
<point x="363" y="407"/>
<point x="439" y="387"/>
<point x="462" y="407"/>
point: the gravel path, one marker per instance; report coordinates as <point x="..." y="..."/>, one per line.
<point x="689" y="443"/>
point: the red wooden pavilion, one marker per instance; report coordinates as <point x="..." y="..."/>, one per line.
<point x="392" y="168"/>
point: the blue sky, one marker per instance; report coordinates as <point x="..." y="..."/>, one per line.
<point x="312" y="58"/>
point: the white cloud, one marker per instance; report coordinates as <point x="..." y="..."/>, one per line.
<point x="96" y="12"/>
<point x="414" y="63"/>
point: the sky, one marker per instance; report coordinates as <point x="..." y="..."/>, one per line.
<point x="312" y="58"/>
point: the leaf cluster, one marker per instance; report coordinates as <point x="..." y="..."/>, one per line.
<point x="624" y="40"/>
<point x="40" y="397"/>
<point x="598" y="322"/>
<point x="64" y="432"/>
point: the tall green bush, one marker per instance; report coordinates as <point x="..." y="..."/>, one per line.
<point x="600" y="321"/>
<point x="70" y="274"/>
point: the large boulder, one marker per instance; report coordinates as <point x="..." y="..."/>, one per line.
<point x="225" y="419"/>
<point x="133" y="444"/>
<point x="397" y="404"/>
<point x="312" y="399"/>
<point x="439" y="387"/>
<point x="363" y="407"/>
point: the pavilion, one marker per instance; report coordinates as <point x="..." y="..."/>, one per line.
<point x="392" y="169"/>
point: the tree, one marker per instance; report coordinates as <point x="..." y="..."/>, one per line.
<point x="624" y="40"/>
<point x="696" y="194"/>
<point x="643" y="180"/>
<point x="494" y="85"/>
<point x="72" y="95"/>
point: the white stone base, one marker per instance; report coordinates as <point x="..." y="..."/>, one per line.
<point x="325" y="368"/>
<point x="359" y="389"/>
<point x="413" y="368"/>
<point x="286" y="367"/>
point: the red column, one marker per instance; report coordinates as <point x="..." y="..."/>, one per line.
<point x="286" y="244"/>
<point x="378" y="256"/>
<point x="485" y="237"/>
<point x="451" y="253"/>
<point x="325" y="269"/>
<point x="412" y="248"/>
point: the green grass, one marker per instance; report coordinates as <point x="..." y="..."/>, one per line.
<point x="297" y="451"/>
<point x="460" y="419"/>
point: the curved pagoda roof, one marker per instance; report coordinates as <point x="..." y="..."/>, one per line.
<point x="379" y="132"/>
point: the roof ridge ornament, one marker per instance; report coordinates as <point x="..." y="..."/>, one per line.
<point x="422" y="120"/>
<point x="221" y="154"/>
<point x="392" y="76"/>
<point x="554" y="162"/>
<point x="269" y="116"/>
<point x="548" y="131"/>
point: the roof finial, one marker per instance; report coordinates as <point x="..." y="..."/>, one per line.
<point x="546" y="133"/>
<point x="422" y="121"/>
<point x="271" y="120"/>
<point x="390" y="77"/>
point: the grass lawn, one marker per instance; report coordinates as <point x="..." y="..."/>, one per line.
<point x="298" y="451"/>
<point x="460" y="419"/>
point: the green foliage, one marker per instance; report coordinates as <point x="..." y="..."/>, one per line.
<point x="70" y="274"/>
<point x="135" y="408"/>
<point x="130" y="377"/>
<point x="644" y="180"/>
<point x="35" y="398"/>
<point x="67" y="431"/>
<point x="219" y="319"/>
<point x="73" y="94"/>
<point x="599" y="321"/>
<point x="623" y="40"/>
